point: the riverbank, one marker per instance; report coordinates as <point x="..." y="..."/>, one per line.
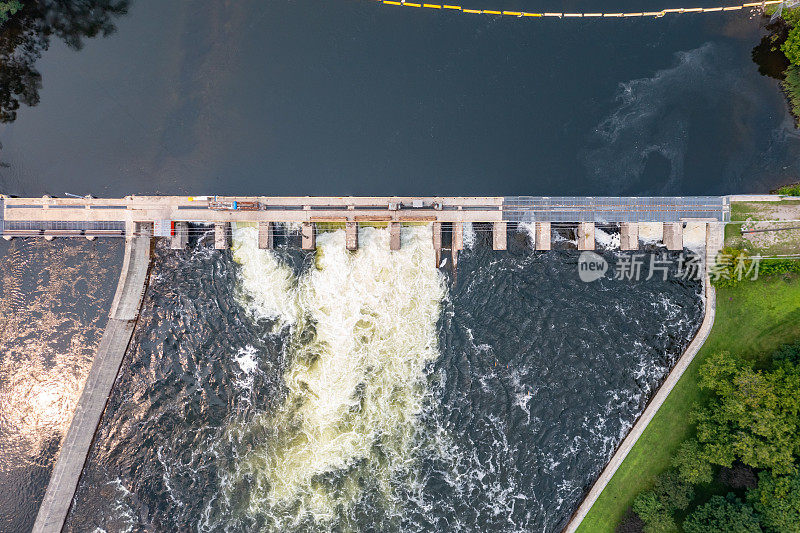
<point x="753" y="319"/>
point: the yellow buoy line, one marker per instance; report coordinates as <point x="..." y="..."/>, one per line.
<point x="520" y="14"/>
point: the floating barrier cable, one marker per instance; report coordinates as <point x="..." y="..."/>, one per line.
<point x="522" y="14"/>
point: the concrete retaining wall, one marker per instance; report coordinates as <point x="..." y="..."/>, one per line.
<point x="113" y="345"/>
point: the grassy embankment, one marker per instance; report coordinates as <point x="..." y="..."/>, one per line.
<point x="752" y="319"/>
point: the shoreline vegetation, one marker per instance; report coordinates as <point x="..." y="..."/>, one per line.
<point x="783" y="41"/>
<point x="723" y="451"/>
<point x="753" y="321"/>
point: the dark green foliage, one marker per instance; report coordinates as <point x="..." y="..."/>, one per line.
<point x="692" y="462"/>
<point x="739" y="476"/>
<point x="791" y="86"/>
<point x="787" y="356"/>
<point x="656" y="507"/>
<point x="777" y="501"/>
<point x="672" y="491"/>
<point x="753" y="416"/>
<point x="722" y="515"/>
<point x="656" y="516"/>
<point x="791" y="48"/>
<point x="631" y="523"/>
<point x="7" y="8"/>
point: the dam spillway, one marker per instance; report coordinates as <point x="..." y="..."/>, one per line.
<point x="137" y="218"/>
<point x="97" y="217"/>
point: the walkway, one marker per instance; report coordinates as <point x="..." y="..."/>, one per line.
<point x="92" y="403"/>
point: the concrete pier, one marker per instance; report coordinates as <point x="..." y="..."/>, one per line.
<point x="116" y="337"/>
<point x="180" y="236"/>
<point x="694" y="234"/>
<point x="543" y="237"/>
<point x="457" y="243"/>
<point x="499" y="236"/>
<point x="586" y="236"/>
<point x="394" y="235"/>
<point x="265" y="236"/>
<point x="458" y="236"/>
<point x="629" y="236"/>
<point x="437" y="241"/>
<point x="651" y="231"/>
<point x="221" y="230"/>
<point x="351" y="235"/>
<point x="673" y="235"/>
<point x="309" y="236"/>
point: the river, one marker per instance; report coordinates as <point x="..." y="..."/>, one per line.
<point x="490" y="401"/>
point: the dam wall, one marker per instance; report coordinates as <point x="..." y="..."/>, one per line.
<point x="110" y="352"/>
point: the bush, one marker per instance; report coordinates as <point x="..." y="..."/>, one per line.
<point x="631" y="523"/>
<point x="732" y="266"/>
<point x="792" y="88"/>
<point x="791" y="48"/>
<point x="777" y="500"/>
<point x="723" y="515"/>
<point x="692" y="463"/>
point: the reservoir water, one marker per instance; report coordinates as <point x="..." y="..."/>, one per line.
<point x="356" y="392"/>
<point x="354" y="97"/>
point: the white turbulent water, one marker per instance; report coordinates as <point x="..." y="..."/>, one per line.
<point x="355" y="387"/>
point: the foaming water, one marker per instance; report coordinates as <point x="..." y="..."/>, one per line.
<point x="371" y="391"/>
<point x="364" y="328"/>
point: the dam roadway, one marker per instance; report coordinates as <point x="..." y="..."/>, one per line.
<point x="138" y="219"/>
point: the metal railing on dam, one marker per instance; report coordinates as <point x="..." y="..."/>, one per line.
<point x="610" y="209"/>
<point x="170" y="216"/>
<point x="111" y="217"/>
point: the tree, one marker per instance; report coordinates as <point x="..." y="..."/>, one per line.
<point x="753" y="416"/>
<point x="631" y="523"/>
<point x="791" y="47"/>
<point x="787" y="355"/>
<point x="656" y="516"/>
<point x="777" y="501"/>
<point x="672" y="491"/>
<point x="7" y="8"/>
<point x="723" y="515"/>
<point x="656" y="506"/>
<point x="692" y="463"/>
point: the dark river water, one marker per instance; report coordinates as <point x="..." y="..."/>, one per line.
<point x="374" y="395"/>
<point x="265" y="394"/>
<point x="354" y="97"/>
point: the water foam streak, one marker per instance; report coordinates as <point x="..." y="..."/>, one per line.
<point x="363" y="330"/>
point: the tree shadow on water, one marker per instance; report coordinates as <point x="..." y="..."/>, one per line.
<point x="768" y="55"/>
<point x="27" y="34"/>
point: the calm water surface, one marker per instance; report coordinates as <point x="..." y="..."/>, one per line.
<point x="353" y="97"/>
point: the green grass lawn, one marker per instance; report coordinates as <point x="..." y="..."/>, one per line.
<point x="752" y="319"/>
